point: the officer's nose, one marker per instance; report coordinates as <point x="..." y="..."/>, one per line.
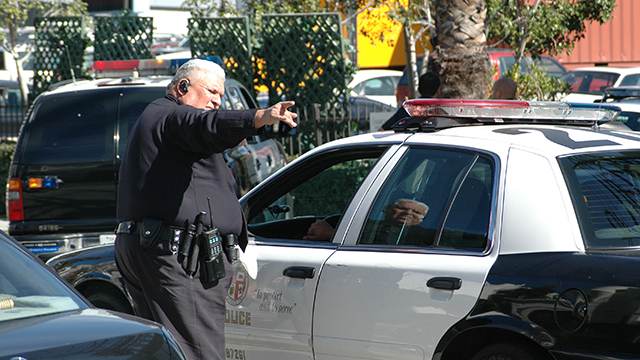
<point x="215" y="102"/>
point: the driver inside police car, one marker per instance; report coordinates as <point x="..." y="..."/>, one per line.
<point x="174" y="169"/>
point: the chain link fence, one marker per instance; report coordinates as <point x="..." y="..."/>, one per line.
<point x="319" y="124"/>
<point x="303" y="58"/>
<point x="123" y="37"/>
<point x="293" y="56"/>
<point x="59" y="48"/>
<point x="229" y="38"/>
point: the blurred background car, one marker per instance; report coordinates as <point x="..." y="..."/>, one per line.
<point x="501" y="60"/>
<point x="182" y="46"/>
<point x="165" y="41"/>
<point x="589" y="83"/>
<point x="627" y="99"/>
<point x="378" y="85"/>
<point x="41" y="317"/>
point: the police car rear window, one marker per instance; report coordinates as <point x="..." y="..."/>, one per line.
<point x="605" y="189"/>
<point x="74" y="127"/>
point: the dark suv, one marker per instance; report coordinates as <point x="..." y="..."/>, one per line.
<point x="61" y="193"/>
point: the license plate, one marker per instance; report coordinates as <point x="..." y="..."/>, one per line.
<point x="42" y="249"/>
<point x="107" y="239"/>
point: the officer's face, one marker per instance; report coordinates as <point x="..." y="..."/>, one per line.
<point x="205" y="92"/>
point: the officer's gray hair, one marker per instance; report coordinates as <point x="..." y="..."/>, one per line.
<point x="208" y="68"/>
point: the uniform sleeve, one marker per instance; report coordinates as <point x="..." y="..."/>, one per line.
<point x="208" y="131"/>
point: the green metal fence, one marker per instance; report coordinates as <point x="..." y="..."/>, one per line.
<point x="59" y="48"/>
<point x="123" y="37"/>
<point x="229" y="38"/>
<point x="303" y="58"/>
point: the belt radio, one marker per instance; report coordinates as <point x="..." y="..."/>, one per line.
<point x="212" y="253"/>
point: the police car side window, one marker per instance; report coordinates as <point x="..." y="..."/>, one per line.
<point x="435" y="198"/>
<point x="467" y="221"/>
<point x="322" y="196"/>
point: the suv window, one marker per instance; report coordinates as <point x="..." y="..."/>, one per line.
<point x="58" y="132"/>
<point x="431" y="187"/>
<point x="605" y="189"/>
<point x="590" y="82"/>
<point x="235" y="98"/>
<point x="631" y="80"/>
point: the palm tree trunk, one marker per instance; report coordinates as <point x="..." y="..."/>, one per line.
<point x="460" y="56"/>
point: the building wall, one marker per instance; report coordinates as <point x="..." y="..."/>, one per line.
<point x="615" y="43"/>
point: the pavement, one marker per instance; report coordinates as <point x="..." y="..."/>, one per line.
<point x="4" y="225"/>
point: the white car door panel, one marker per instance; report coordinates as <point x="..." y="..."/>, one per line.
<point x="280" y="301"/>
<point x="279" y="306"/>
<point x="381" y="300"/>
<point x="382" y="308"/>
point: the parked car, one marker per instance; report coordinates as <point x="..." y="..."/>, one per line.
<point x="589" y="83"/>
<point x="477" y="230"/>
<point x="163" y="41"/>
<point x="378" y="85"/>
<point x="501" y="60"/>
<point x="627" y="100"/>
<point x="41" y="317"/>
<point x="64" y="174"/>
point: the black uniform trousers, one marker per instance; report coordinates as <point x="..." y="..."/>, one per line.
<point x="162" y="292"/>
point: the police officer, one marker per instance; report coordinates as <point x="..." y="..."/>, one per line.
<point x="173" y="169"/>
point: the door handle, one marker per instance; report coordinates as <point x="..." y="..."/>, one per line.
<point x="299" y="272"/>
<point x="445" y="283"/>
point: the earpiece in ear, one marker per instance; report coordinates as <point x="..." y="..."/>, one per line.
<point x="183" y="86"/>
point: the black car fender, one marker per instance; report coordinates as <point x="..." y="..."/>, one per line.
<point x="472" y="333"/>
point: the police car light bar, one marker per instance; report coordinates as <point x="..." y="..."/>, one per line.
<point x="466" y="112"/>
<point x="141" y="67"/>
<point x="120" y="68"/>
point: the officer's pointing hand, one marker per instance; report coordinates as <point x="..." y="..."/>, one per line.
<point x="275" y="114"/>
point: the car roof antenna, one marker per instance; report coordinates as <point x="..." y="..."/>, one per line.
<point x="66" y="51"/>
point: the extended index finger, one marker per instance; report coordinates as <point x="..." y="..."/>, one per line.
<point x="287" y="104"/>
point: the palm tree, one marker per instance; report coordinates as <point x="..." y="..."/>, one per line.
<point x="460" y="56"/>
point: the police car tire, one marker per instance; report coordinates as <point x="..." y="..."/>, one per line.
<point x="504" y="351"/>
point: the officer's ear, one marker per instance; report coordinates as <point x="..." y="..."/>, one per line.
<point x="183" y="86"/>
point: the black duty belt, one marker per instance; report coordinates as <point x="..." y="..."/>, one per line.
<point x="169" y="235"/>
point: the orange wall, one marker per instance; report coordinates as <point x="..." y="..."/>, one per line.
<point x="615" y="43"/>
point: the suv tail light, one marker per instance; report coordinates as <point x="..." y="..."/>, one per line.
<point x="14" y="200"/>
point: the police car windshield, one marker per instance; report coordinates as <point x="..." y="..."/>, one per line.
<point x="605" y="189"/>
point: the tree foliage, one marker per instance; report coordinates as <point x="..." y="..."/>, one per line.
<point x="14" y="14"/>
<point x="541" y="27"/>
<point x="545" y="26"/>
<point x="535" y="84"/>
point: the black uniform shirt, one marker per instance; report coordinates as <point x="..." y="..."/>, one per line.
<point x="174" y="162"/>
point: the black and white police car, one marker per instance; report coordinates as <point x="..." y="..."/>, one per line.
<point x="476" y="230"/>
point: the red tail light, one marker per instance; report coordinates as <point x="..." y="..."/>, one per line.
<point x="14" y="200"/>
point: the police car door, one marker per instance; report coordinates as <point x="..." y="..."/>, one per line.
<point x="270" y="317"/>
<point x="414" y="258"/>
